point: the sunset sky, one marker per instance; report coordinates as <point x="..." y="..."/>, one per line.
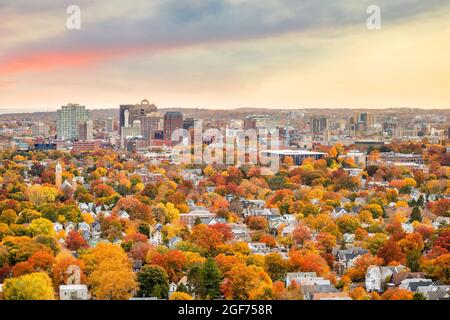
<point x="225" y="54"/>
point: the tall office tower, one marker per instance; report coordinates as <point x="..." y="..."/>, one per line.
<point x="319" y="124"/>
<point x="86" y="130"/>
<point x="40" y="129"/>
<point x="364" y="121"/>
<point x="188" y="123"/>
<point x="68" y="119"/>
<point x="109" y="125"/>
<point x="150" y="123"/>
<point x="172" y="120"/>
<point x="135" y="112"/>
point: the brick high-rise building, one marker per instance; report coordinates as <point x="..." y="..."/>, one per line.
<point x="172" y="120"/>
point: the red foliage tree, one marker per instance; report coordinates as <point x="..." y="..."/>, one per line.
<point x="224" y="229"/>
<point x="390" y="252"/>
<point x="75" y="241"/>
<point x="172" y="261"/>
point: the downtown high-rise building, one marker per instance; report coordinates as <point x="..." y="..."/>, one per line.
<point x="172" y="120"/>
<point x="68" y="119"/>
<point x="319" y="124"/>
<point x="86" y="130"/>
<point x="109" y="124"/>
<point x="128" y="113"/>
<point x="39" y="129"/>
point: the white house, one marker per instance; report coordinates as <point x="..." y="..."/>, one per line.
<point x="73" y="292"/>
<point x="377" y="277"/>
<point x="58" y="227"/>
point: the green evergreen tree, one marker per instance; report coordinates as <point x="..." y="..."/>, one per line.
<point x="211" y="279"/>
<point x="182" y="288"/>
<point x="413" y="260"/>
<point x="195" y="279"/>
<point x="416" y="215"/>
<point x="421" y="201"/>
<point x="153" y="282"/>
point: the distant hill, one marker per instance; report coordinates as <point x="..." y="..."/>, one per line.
<point x="238" y="113"/>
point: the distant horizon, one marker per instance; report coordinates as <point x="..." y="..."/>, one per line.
<point x="25" y="110"/>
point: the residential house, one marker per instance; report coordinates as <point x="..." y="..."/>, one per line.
<point x="191" y="217"/>
<point x="70" y="226"/>
<point x="58" y="227"/>
<point x="345" y="258"/>
<point x="413" y="284"/>
<point x="123" y="215"/>
<point x="240" y="232"/>
<point x="338" y="212"/>
<point x="173" y="287"/>
<point x="258" y="247"/>
<point x="173" y="242"/>
<point x="291" y="276"/>
<point x="377" y="277"/>
<point x="399" y="277"/>
<point x="73" y="292"/>
<point x="310" y="290"/>
<point x="331" y="296"/>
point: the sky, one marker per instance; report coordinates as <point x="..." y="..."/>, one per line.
<point x="223" y="54"/>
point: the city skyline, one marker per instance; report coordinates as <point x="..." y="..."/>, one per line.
<point x="225" y="55"/>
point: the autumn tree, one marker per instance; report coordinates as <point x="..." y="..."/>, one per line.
<point x="109" y="272"/>
<point x="74" y="241"/>
<point x="65" y="267"/>
<point x="41" y="260"/>
<point x="397" y="294"/>
<point x="257" y="223"/>
<point x="347" y="223"/>
<point x="8" y="216"/>
<point x="359" y="294"/>
<point x="180" y="296"/>
<point x="38" y="194"/>
<point x="247" y="283"/>
<point x="135" y="208"/>
<point x="206" y="237"/>
<point x="275" y="266"/>
<point x="34" y="286"/>
<point x="172" y="261"/>
<point x="437" y="268"/>
<point x="390" y="252"/>
<point x="300" y="234"/>
<point x="308" y="261"/>
<point x="42" y="226"/>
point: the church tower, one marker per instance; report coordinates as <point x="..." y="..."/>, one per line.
<point x="58" y="175"/>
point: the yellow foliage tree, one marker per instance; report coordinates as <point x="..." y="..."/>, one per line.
<point x="33" y="286"/>
<point x="180" y="296"/>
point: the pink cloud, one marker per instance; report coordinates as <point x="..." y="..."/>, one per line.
<point x="51" y="60"/>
